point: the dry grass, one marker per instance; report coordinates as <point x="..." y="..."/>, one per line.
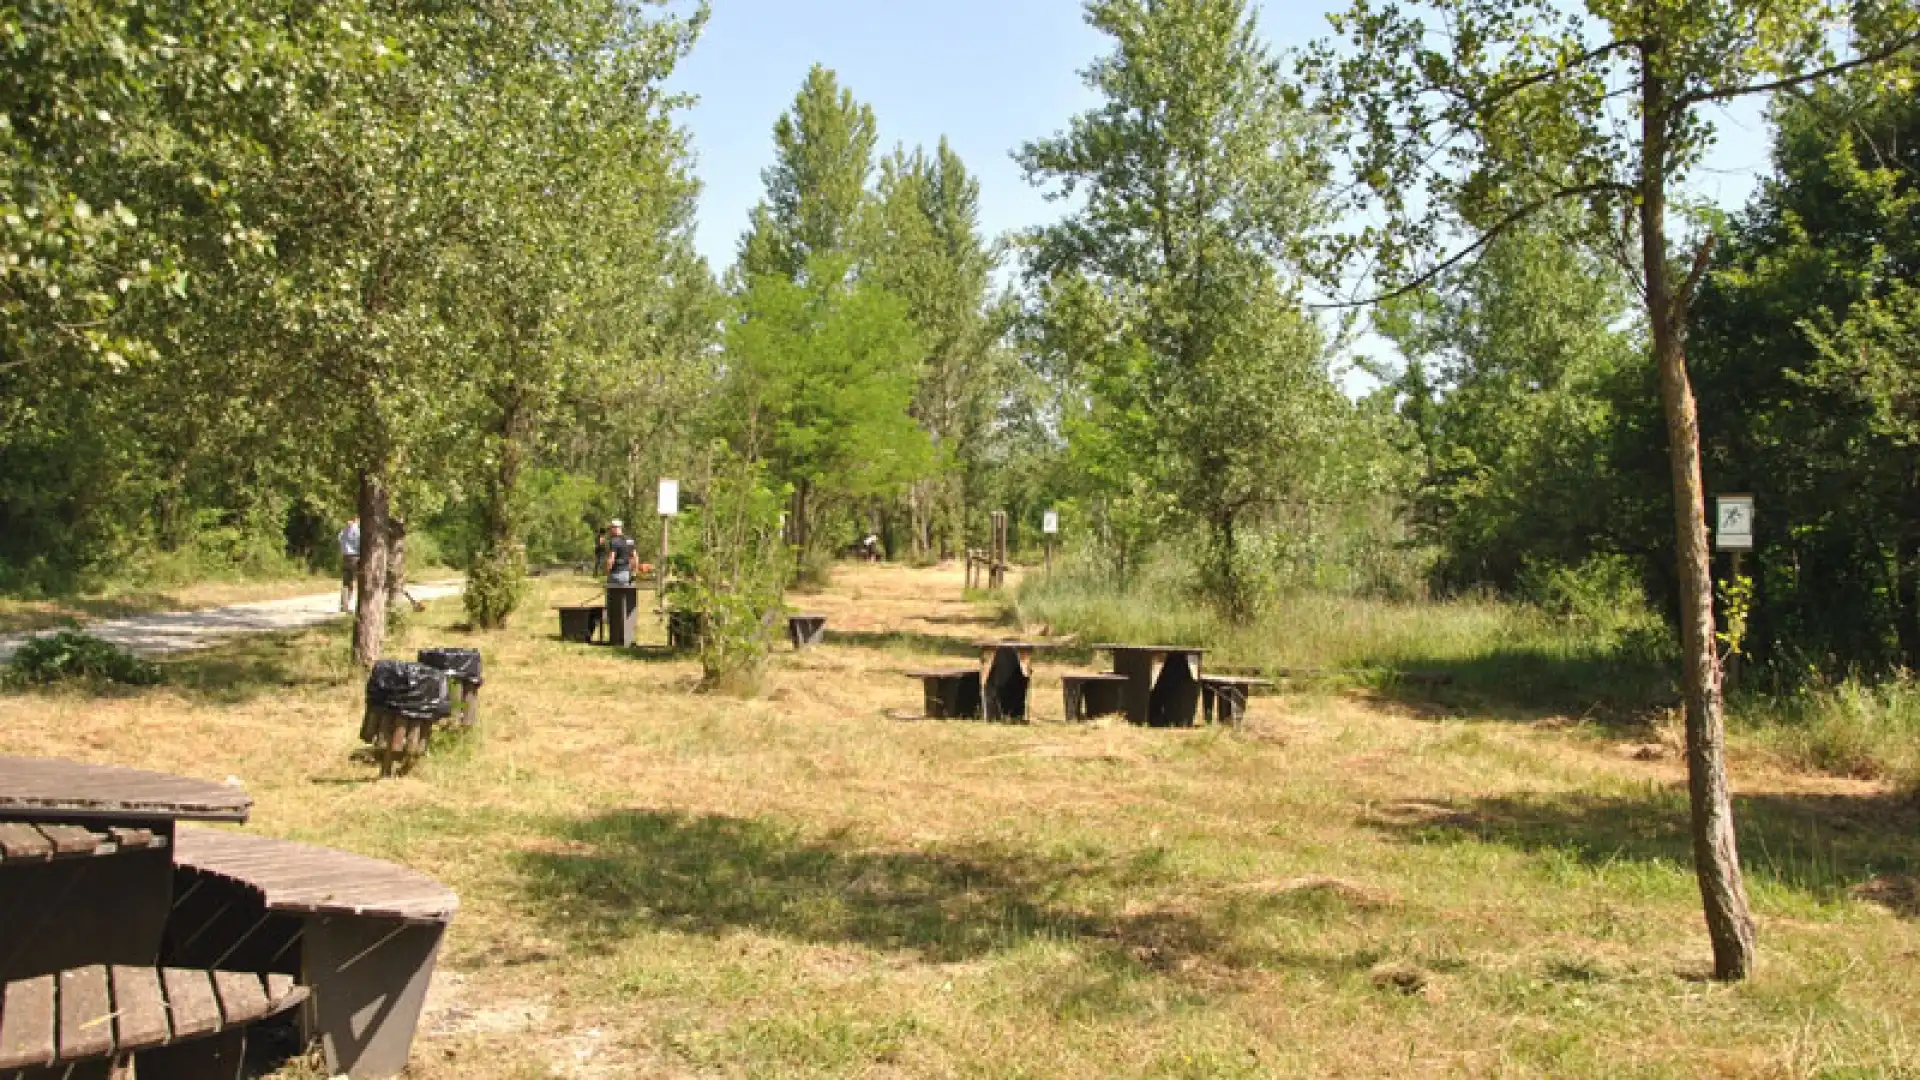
<point x="660" y="883"/>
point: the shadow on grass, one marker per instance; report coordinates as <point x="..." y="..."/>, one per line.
<point x="622" y="874"/>
<point x="1531" y="683"/>
<point x="247" y="668"/>
<point x="1827" y="847"/>
<point x="903" y="641"/>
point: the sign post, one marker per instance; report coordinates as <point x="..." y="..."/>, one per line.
<point x="669" y="505"/>
<point x="1733" y="533"/>
<point x="1050" y="528"/>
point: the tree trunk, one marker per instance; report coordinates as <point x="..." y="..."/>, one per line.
<point x="1906" y="571"/>
<point x="1716" y="859"/>
<point x="370" y="611"/>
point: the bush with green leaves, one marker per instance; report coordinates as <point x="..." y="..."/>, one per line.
<point x="71" y="656"/>
<point x="496" y="585"/>
<point x="735" y="571"/>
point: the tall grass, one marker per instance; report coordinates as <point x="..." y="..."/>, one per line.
<point x="1495" y="652"/>
<point x="1587" y="651"/>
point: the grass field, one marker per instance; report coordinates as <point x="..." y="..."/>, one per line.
<point x="122" y="599"/>
<point x="661" y="883"/>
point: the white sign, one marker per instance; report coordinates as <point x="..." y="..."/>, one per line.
<point x="669" y="497"/>
<point x="1050" y="523"/>
<point x="1733" y="523"/>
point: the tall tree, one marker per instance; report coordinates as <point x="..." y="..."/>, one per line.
<point x="821" y="374"/>
<point x="1198" y="174"/>
<point x="1485" y="112"/>
<point x="817" y="193"/>
<point x="928" y="251"/>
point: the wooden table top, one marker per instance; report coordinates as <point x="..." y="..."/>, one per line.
<point x="1110" y="647"/>
<point x="1016" y="645"/>
<point x="302" y="878"/>
<point x="45" y="787"/>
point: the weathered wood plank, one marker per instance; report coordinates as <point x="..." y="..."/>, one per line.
<point x="49" y="785"/>
<point x="18" y="841"/>
<point x="190" y="1002"/>
<point x="132" y="839"/>
<point x="86" y="1014"/>
<point x="242" y="996"/>
<point x="140" y="1007"/>
<point x="301" y="878"/>
<point x="26" y="1023"/>
<point x="279" y="988"/>
<point x="70" y="839"/>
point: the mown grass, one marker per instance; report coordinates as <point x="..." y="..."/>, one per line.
<point x="119" y="599"/>
<point x="661" y="883"/>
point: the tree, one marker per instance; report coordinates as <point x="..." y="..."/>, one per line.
<point x="820" y="376"/>
<point x="1804" y="351"/>
<point x="1198" y="175"/>
<point x="1483" y="113"/>
<point x="927" y="250"/>
<point x="817" y="193"/>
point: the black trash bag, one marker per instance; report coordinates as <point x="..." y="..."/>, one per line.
<point x="414" y="691"/>
<point x="462" y="664"/>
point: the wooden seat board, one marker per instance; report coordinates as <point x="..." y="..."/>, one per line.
<point x="86" y="1014"/>
<point x="53" y="786"/>
<point x="71" y="839"/>
<point x="292" y="876"/>
<point x="21" y="841"/>
<point x="243" y="996"/>
<point x="26" y="1023"/>
<point x="135" y="838"/>
<point x="139" y="1006"/>
<point x="191" y="1005"/>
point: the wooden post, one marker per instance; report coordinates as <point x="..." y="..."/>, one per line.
<point x="660" y="568"/>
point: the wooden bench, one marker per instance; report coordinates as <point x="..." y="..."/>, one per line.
<point x="806" y="630"/>
<point x="362" y="934"/>
<point x="1089" y="694"/>
<point x="1229" y="694"/>
<point x="582" y="624"/>
<point x="950" y="693"/>
<point x="86" y="1021"/>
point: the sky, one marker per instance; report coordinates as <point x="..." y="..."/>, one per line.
<point x="989" y="75"/>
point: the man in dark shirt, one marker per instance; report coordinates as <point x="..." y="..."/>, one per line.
<point x="623" y="558"/>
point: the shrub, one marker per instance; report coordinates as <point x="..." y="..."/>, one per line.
<point x="735" y="572"/>
<point x="71" y="656"/>
<point x="496" y="584"/>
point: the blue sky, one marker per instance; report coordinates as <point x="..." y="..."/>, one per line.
<point x="987" y="74"/>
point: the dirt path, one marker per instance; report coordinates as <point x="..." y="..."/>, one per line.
<point x="177" y="631"/>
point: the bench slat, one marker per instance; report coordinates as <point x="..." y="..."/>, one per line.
<point x="242" y="996"/>
<point x="70" y="839"/>
<point x="301" y="878"/>
<point x="86" y="1014"/>
<point x="191" y="1003"/>
<point x="18" y="841"/>
<point x="279" y="988"/>
<point x="141" y="1008"/>
<point x="133" y="838"/>
<point x="26" y="1023"/>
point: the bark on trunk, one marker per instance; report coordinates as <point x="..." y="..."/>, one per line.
<point x="1716" y="858"/>
<point x="370" y="611"/>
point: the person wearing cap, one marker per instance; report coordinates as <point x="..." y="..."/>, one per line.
<point x="623" y="558"/>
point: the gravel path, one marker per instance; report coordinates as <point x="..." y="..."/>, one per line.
<point x="177" y="631"/>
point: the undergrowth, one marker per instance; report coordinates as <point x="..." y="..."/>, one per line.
<point x="71" y="656"/>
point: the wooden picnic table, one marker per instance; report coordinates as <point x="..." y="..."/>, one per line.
<point x="1163" y="682"/>
<point x="62" y="910"/>
<point x="1006" y="677"/>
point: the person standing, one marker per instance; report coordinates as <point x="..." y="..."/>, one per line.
<point x="349" y="562"/>
<point x="600" y="548"/>
<point x="623" y="557"/>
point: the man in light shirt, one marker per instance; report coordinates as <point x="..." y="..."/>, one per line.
<point x="349" y="562"/>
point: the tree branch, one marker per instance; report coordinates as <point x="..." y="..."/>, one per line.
<point x="1502" y="93"/>
<point x="1499" y="229"/>
<point x="1788" y="83"/>
<point x="1683" y="299"/>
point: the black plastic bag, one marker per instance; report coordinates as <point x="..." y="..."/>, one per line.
<point x="462" y="664"/>
<point x="414" y="691"/>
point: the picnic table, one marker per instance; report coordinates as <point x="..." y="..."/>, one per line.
<point x="1006" y="677"/>
<point x="1163" y="682"/>
<point x="806" y="629"/>
<point x="127" y="939"/>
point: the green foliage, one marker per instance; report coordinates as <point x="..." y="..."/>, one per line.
<point x="1207" y="380"/>
<point x="820" y="376"/>
<point x="496" y="585"/>
<point x="71" y="656"/>
<point x="817" y="186"/>
<point x="735" y="571"/>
